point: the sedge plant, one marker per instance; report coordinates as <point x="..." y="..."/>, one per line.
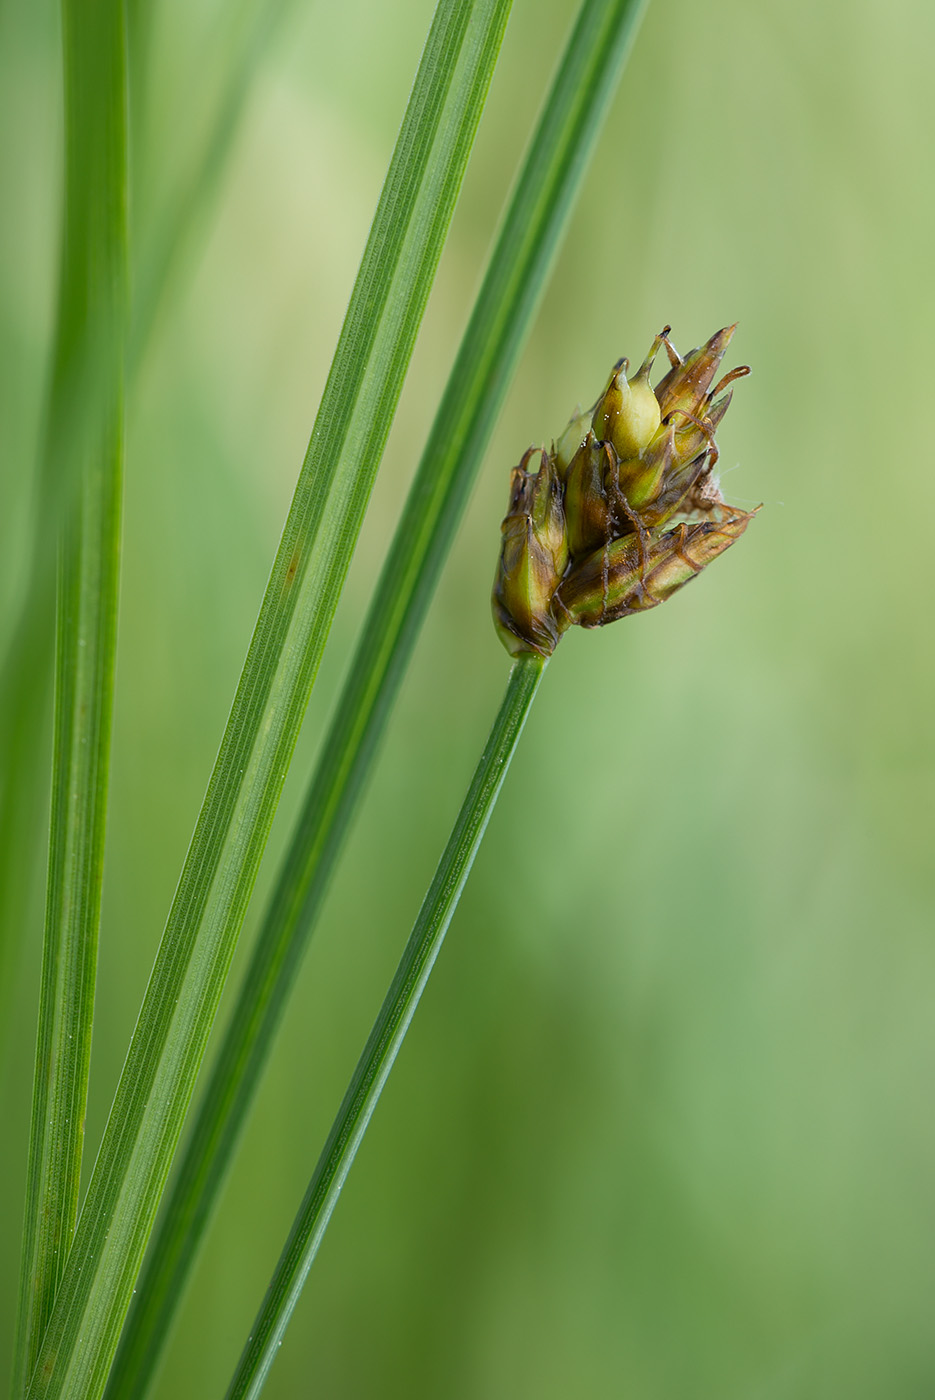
<point x="619" y="514"/>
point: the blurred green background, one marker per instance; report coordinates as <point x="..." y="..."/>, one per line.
<point x="663" y="1125"/>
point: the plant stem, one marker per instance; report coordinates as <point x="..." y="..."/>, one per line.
<point x="89" y="353"/>
<point x="517" y="272"/>
<point x="324" y="519"/>
<point x="388" y="1033"/>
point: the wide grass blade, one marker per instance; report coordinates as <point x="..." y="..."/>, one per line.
<point x="88" y="355"/>
<point x="323" y="522"/>
<point x="518" y="268"/>
<point x="388" y="1033"/>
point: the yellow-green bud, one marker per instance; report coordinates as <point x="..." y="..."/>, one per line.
<point x="533" y="559"/>
<point x="627" y="414"/>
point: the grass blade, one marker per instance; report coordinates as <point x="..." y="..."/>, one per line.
<point x="78" y="409"/>
<point x="388" y="1033"/>
<point x="88" y="583"/>
<point x="499" y="324"/>
<point x="90" y="327"/>
<point x="334" y="484"/>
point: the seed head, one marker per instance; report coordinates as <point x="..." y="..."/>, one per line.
<point x="625" y="510"/>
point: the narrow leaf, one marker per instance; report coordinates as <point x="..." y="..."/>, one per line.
<point x="324" y="519"/>
<point x="90" y="327"/>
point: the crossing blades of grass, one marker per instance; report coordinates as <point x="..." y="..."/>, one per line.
<point x="388" y="1033"/>
<point x="518" y="268"/>
<point x="334" y="485"/>
<point x="88" y="358"/>
<point x="159" y="257"/>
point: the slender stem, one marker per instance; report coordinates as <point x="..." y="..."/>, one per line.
<point x="388" y="1033"/>
<point x="324" y="519"/>
<point x="89" y="350"/>
<point x="517" y="272"/>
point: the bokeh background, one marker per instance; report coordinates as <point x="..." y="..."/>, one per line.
<point x="663" y="1124"/>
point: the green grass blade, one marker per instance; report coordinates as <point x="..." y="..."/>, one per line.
<point x="90" y="326"/>
<point x="334" y="484"/>
<point x="388" y="1033"/>
<point x="88" y="583"/>
<point x="75" y="424"/>
<point x="499" y="324"/>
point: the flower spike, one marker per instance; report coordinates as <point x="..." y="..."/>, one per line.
<point x="625" y="509"/>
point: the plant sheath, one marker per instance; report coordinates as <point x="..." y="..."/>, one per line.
<point x="324" y="519"/>
<point x="388" y="1033"/>
<point x="88" y="351"/>
<point x="517" y="271"/>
